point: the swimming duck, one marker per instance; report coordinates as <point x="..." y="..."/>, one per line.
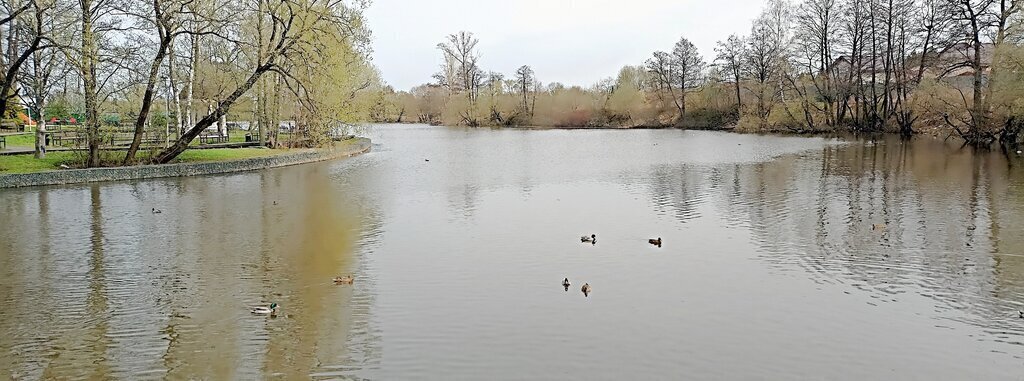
<point x="655" y="242"/>
<point x="586" y="289"/>
<point x="565" y="283"/>
<point x="261" y="310"/>
<point x="157" y="211"/>
<point x="591" y="239"/>
<point x="877" y="226"/>
<point x="1021" y="313"/>
<point x="347" y="279"/>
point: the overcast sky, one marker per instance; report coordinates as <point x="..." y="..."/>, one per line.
<point x="576" y="42"/>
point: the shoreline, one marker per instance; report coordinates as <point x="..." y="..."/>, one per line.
<point x="140" y="172"/>
<point x="727" y="128"/>
<point x="730" y="129"/>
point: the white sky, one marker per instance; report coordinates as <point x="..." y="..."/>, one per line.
<point x="576" y="42"/>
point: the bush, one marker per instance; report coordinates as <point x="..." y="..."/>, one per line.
<point x="748" y="123"/>
<point x="708" y="118"/>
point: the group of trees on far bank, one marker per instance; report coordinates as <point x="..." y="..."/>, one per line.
<point x="816" y="65"/>
<point x="116" y="63"/>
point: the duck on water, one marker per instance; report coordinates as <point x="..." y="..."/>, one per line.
<point x="347" y="279"/>
<point x="264" y="310"/>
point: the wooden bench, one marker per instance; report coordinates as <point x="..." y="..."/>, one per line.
<point x="212" y="138"/>
<point x="124" y="139"/>
<point x="63" y="137"/>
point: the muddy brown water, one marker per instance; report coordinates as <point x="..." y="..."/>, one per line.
<point x="771" y="266"/>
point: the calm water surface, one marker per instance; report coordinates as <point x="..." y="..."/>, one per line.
<point x="770" y="267"/>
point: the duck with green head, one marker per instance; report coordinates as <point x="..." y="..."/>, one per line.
<point x="261" y="310"/>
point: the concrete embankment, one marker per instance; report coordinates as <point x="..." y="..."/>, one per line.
<point x="74" y="176"/>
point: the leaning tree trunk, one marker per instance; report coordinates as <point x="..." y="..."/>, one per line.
<point x="7" y="85"/>
<point x="147" y="99"/>
<point x="222" y="125"/>
<point x="183" y="141"/>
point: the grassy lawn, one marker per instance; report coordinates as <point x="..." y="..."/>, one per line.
<point x="23" y="140"/>
<point x="219" y="154"/>
<point x="236" y="136"/>
<point x="27" y="163"/>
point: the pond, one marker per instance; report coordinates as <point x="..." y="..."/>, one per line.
<point x="782" y="258"/>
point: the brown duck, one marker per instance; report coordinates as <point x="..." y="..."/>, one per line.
<point x="347" y="279"/>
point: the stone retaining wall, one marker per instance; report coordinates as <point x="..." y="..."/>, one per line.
<point x="74" y="176"/>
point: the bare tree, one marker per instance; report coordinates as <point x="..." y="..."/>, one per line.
<point x="905" y="40"/>
<point x="776" y="20"/>
<point x="690" y="71"/>
<point x="983" y="26"/>
<point x="675" y="74"/>
<point x="87" y="65"/>
<point x="762" y="66"/>
<point x="730" y="57"/>
<point x="850" y="66"/>
<point x="662" y="73"/>
<point x="816" y="23"/>
<point x="461" y="71"/>
<point x="525" y="79"/>
<point x="38" y="83"/>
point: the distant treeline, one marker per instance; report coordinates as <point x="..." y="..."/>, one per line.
<point x="818" y="65"/>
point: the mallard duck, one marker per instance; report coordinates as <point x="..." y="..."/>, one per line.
<point x="261" y="310"/>
<point x="585" y="289"/>
<point x="877" y="226"/>
<point x="565" y="283"/>
<point x="347" y="279"/>
<point x="1021" y="313"/>
<point x="655" y="242"/>
<point x="591" y="239"/>
<point x="157" y="211"/>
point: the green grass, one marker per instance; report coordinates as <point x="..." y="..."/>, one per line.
<point x="220" y="154"/>
<point x="23" y="140"/>
<point x="28" y="164"/>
